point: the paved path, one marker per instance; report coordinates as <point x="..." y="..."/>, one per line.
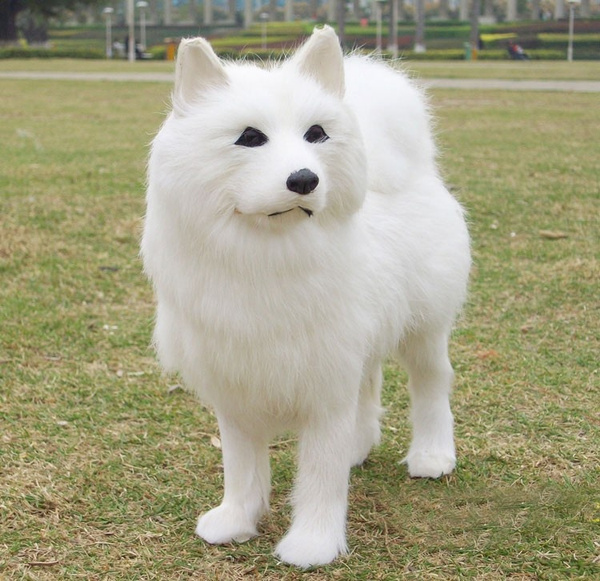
<point x="60" y="76"/>
<point x="512" y="85"/>
<point x="472" y="84"/>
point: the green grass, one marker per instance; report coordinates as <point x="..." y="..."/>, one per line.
<point x="103" y="471"/>
<point x="564" y="71"/>
<point x="511" y="70"/>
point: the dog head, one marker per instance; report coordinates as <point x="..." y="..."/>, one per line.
<point x="272" y="146"/>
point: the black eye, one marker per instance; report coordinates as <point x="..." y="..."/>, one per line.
<point x="251" y="137"/>
<point x="316" y="134"/>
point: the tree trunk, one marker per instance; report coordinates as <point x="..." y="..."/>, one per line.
<point x="8" y="20"/>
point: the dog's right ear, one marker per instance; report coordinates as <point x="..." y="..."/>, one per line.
<point x="197" y="69"/>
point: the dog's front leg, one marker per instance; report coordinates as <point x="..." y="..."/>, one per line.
<point x="318" y="532"/>
<point x="247" y="486"/>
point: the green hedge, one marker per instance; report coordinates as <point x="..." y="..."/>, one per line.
<point x="18" y="52"/>
<point x="232" y="42"/>
<point x="456" y="54"/>
<point x="289" y="29"/>
<point x="158" y="52"/>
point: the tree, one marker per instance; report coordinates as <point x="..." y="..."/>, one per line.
<point x="10" y="9"/>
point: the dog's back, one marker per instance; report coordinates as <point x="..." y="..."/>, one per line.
<point x="394" y="122"/>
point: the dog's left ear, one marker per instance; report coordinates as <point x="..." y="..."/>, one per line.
<point x="197" y="69"/>
<point x="321" y="58"/>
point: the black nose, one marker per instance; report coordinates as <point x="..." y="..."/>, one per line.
<point x="302" y="182"/>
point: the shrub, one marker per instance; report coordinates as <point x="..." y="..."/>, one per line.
<point x="232" y="42"/>
<point x="158" y="52"/>
<point x="19" y="52"/>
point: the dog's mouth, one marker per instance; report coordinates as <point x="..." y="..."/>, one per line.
<point x="308" y="212"/>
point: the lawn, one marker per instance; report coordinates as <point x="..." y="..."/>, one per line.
<point x="542" y="70"/>
<point x="105" y="464"/>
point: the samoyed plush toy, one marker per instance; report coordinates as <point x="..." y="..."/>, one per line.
<point x="297" y="233"/>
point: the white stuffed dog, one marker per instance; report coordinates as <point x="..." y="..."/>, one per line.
<point x="297" y="233"/>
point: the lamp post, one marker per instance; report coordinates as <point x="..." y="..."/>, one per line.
<point x="393" y="38"/>
<point x="420" y="26"/>
<point x="141" y="5"/>
<point x="572" y="4"/>
<point x="108" y="11"/>
<point x="264" y="17"/>
<point x="131" y="35"/>
<point x="379" y="4"/>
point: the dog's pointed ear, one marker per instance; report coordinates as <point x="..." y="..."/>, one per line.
<point x="197" y="68"/>
<point x="321" y="58"/>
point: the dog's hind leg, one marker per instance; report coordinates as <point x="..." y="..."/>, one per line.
<point x="368" y="432"/>
<point x="247" y="486"/>
<point x="431" y="453"/>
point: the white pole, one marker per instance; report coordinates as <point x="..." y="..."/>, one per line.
<point x="143" y="29"/>
<point x="131" y="36"/>
<point x="142" y="5"/>
<point x="571" y="26"/>
<point x="108" y="15"/>
<point x="289" y="11"/>
<point x="108" y="37"/>
<point x="393" y="42"/>
<point x="511" y="10"/>
<point x="263" y="28"/>
<point x="208" y="12"/>
<point x="247" y="13"/>
<point x="379" y="9"/>
<point x="572" y="4"/>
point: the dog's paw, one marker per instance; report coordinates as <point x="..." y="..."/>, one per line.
<point x="430" y="464"/>
<point x="305" y="548"/>
<point x="225" y="524"/>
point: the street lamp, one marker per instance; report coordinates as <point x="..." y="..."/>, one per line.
<point x="142" y="8"/>
<point x="379" y="4"/>
<point x="263" y="18"/>
<point x="108" y="11"/>
<point x="393" y="38"/>
<point x="420" y="25"/>
<point x="131" y="35"/>
<point x="572" y="4"/>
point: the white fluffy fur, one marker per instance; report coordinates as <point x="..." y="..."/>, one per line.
<point x="283" y="322"/>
